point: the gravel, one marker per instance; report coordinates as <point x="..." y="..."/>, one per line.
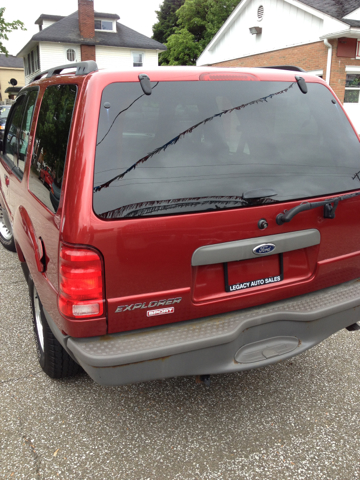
<point x="298" y="419"/>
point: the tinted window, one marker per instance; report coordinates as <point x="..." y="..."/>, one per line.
<point x="197" y="146"/>
<point x="25" y="131"/>
<point x="50" y="145"/>
<point x="12" y="134"/>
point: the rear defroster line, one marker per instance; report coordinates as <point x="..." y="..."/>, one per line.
<point x="253" y="283"/>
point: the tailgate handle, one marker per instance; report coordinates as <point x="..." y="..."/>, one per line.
<point x="244" y="249"/>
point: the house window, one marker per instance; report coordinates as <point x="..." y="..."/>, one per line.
<point x="37" y="58"/>
<point x="352" y="88"/>
<point x="137" y="59"/>
<point x="70" y="55"/>
<point x="103" y="25"/>
<point x="32" y="61"/>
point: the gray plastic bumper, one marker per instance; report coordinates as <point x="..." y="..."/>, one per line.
<point x="230" y="342"/>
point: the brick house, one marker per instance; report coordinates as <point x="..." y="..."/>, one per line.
<point x="321" y="36"/>
<point x="87" y="35"/>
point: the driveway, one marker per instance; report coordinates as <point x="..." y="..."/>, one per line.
<point x="299" y="419"/>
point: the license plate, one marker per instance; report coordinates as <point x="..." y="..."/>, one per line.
<point x="244" y="285"/>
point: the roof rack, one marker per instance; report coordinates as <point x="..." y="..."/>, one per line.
<point x="82" y="68"/>
<point x="287" y="67"/>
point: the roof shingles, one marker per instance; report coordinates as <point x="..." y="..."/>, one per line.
<point x="335" y="8"/>
<point x="11" y="62"/>
<point x="67" y="30"/>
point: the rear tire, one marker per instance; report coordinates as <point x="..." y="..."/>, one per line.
<point x="53" y="359"/>
<point x="6" y="235"/>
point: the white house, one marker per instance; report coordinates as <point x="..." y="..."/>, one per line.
<point x="321" y="36"/>
<point x="87" y="35"/>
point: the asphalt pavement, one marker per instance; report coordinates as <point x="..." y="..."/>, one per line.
<point x="299" y="419"/>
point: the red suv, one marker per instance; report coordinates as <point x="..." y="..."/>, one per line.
<point x="46" y="176"/>
<point x="198" y="221"/>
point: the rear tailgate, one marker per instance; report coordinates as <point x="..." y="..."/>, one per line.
<point x="190" y="181"/>
<point x="160" y="284"/>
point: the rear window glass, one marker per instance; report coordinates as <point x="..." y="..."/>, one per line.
<point x="198" y="146"/>
<point x="50" y="145"/>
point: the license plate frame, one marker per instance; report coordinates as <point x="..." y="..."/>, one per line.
<point x="253" y="283"/>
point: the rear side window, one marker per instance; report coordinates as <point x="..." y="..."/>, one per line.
<point x="25" y="131"/>
<point x="12" y="134"/>
<point x="50" y="145"/>
<point x="198" y="146"/>
<point x="17" y="135"/>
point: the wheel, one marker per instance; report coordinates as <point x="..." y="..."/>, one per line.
<point x="6" y="235"/>
<point x="53" y="359"/>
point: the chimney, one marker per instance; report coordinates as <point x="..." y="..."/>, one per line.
<point x="86" y="18"/>
<point x="87" y="28"/>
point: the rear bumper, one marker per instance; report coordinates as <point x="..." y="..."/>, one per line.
<point x="231" y="342"/>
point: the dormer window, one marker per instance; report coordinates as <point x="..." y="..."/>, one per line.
<point x="104" y="25"/>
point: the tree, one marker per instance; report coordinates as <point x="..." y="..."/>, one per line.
<point x="217" y="14"/>
<point x="182" y="48"/>
<point x="198" y="21"/>
<point x="7" y="27"/>
<point x="165" y="27"/>
<point x="167" y="20"/>
<point x="192" y="17"/>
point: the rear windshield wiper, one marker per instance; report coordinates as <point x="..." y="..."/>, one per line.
<point x="206" y="204"/>
<point x="329" y="205"/>
<point x="259" y="193"/>
<point x="148" y="208"/>
<point x="259" y="196"/>
<point x="212" y="205"/>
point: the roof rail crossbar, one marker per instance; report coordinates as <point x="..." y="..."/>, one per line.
<point x="82" y="68"/>
<point x="287" y="67"/>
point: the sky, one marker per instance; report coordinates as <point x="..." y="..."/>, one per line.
<point x="137" y="14"/>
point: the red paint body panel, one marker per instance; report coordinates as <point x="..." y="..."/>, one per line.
<point x="149" y="259"/>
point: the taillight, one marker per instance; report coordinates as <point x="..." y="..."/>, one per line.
<point x="81" y="290"/>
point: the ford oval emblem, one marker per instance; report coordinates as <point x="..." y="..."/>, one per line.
<point x="264" y="249"/>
